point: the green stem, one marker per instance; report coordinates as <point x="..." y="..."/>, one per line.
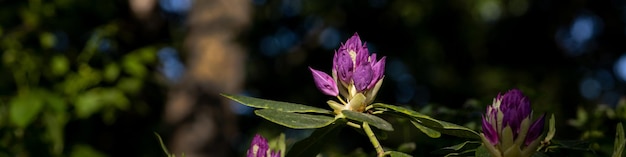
<point x="341" y="100"/>
<point x="354" y="125"/>
<point x="372" y="137"/>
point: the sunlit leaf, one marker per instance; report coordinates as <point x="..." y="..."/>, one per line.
<point x="47" y="40"/>
<point x="59" y="65"/>
<point x="311" y="146"/>
<point x="295" y="120"/>
<point x="371" y="119"/>
<point x="438" y="125"/>
<point x="24" y="108"/>
<point x="129" y="85"/>
<point x="276" y="105"/>
<point x="428" y="131"/>
<point x="55" y="130"/>
<point x="111" y="72"/>
<point x="96" y="99"/>
<point x="133" y="66"/>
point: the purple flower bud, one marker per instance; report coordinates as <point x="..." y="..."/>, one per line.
<point x="378" y="69"/>
<point x="258" y="147"/>
<point x="511" y="110"/>
<point x="516" y="108"/>
<point x="324" y="82"/>
<point x="535" y="130"/>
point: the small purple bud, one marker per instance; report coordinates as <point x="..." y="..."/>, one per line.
<point x="258" y="147"/>
<point x="362" y="77"/>
<point x="324" y="82"/>
<point x="535" y="130"/>
<point x="489" y="132"/>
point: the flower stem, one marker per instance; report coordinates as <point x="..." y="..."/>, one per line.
<point x="341" y="100"/>
<point x="354" y="125"/>
<point x="372" y="137"/>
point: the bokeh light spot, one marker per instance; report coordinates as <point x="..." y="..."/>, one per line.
<point x="590" y="88"/>
<point x="620" y="67"/>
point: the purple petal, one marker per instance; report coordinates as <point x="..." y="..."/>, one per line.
<point x="378" y="69"/>
<point x="343" y="65"/>
<point x="354" y="43"/>
<point x="489" y="132"/>
<point x="535" y="130"/>
<point x="324" y="82"/>
<point x="261" y="144"/>
<point x="362" y="77"/>
<point x="362" y="55"/>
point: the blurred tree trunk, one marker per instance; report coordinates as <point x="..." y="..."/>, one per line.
<point x="203" y="123"/>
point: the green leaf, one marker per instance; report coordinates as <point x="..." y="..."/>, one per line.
<point x="467" y="145"/>
<point x="371" y="119"/>
<point x="24" y="108"/>
<point x="59" y="65"/>
<point x="55" y="125"/>
<point x="397" y="154"/>
<point x="311" y="146"/>
<point x="97" y="99"/>
<point x="276" y="105"/>
<point x="482" y="152"/>
<point x="551" y="130"/>
<point x="428" y="131"/>
<point x="620" y="141"/>
<point x="295" y="120"/>
<point x="162" y="144"/>
<point x="438" y="125"/>
<point x="407" y="147"/>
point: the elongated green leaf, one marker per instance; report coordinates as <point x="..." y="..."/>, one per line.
<point x="397" y="154"/>
<point x="551" y="129"/>
<point x="371" y="119"/>
<point x="428" y="131"/>
<point x="467" y="145"/>
<point x="438" y="125"/>
<point x="311" y="146"/>
<point x="276" y="105"/>
<point x="295" y="120"/>
<point x="620" y="141"/>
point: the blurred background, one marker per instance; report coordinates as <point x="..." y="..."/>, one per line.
<point x="99" y="78"/>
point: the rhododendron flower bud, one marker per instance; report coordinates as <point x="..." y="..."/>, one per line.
<point x="507" y="128"/>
